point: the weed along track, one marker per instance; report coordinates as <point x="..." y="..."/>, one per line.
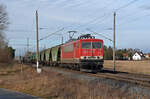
<point x="138" y="79"/>
<point x="57" y="83"/>
<point x="118" y="83"/>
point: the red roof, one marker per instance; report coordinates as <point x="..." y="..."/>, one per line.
<point x="125" y="54"/>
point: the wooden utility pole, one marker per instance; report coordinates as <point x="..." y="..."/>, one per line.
<point x="37" y="43"/>
<point x="114" y="41"/>
<point x="27" y="45"/>
<point x="62" y="40"/>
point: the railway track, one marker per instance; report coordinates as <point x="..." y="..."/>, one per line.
<point x="126" y="78"/>
<point x="138" y="79"/>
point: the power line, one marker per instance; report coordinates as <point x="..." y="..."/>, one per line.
<point x="97" y="18"/>
<point x="51" y="34"/>
<point x="20" y="45"/>
<point x="76" y="5"/>
<point x="19" y="31"/>
<point x="104" y="16"/>
<point x="19" y="39"/>
<point x="134" y="19"/>
<point x="99" y="34"/>
<point x="134" y="15"/>
<point x="27" y="44"/>
<point x="15" y="30"/>
<point x="126" y="5"/>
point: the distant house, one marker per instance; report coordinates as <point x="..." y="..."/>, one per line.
<point x="147" y="56"/>
<point x="126" y="56"/>
<point x="138" y="56"/>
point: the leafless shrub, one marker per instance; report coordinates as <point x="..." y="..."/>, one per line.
<point x="3" y="25"/>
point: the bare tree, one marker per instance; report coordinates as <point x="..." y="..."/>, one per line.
<point x="3" y="25"/>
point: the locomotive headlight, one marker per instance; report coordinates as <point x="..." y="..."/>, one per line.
<point x="101" y="57"/>
<point x="82" y="57"/>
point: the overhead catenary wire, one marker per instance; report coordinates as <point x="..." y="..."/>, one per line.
<point x="105" y="15"/>
<point x="19" y="30"/>
<point x="87" y="23"/>
<point x="133" y="20"/>
<point x="100" y="34"/>
<point x="20" y="44"/>
<point x="73" y="5"/>
<point x="126" y="5"/>
<point x="117" y="9"/>
<point x="128" y="15"/>
<point x="51" y="34"/>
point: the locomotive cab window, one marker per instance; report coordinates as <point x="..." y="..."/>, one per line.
<point x="96" y="45"/>
<point x="86" y="45"/>
<point x="91" y="45"/>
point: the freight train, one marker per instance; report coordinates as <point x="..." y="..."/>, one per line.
<point x="84" y="53"/>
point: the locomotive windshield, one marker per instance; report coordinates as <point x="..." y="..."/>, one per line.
<point x="96" y="45"/>
<point x="91" y="45"/>
<point x="86" y="45"/>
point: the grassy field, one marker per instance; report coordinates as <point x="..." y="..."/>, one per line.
<point x="49" y="85"/>
<point x="142" y="67"/>
<point x="53" y="85"/>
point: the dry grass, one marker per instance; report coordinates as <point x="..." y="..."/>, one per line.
<point x="142" y="67"/>
<point x="52" y="85"/>
<point x="6" y="69"/>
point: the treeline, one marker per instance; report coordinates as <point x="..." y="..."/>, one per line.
<point x="6" y="53"/>
<point x="121" y="54"/>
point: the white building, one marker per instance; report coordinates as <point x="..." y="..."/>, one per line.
<point x="137" y="56"/>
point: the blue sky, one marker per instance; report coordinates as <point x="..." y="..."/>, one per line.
<point x="132" y="21"/>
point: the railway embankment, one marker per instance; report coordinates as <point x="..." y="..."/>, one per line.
<point x="118" y="84"/>
<point x="57" y="83"/>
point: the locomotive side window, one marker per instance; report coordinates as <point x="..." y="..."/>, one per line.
<point x="96" y="45"/>
<point x="68" y="48"/>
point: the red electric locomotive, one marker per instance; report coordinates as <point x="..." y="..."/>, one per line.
<point x="85" y="53"/>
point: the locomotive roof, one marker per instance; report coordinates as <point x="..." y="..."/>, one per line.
<point x="82" y="37"/>
<point x="74" y="40"/>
